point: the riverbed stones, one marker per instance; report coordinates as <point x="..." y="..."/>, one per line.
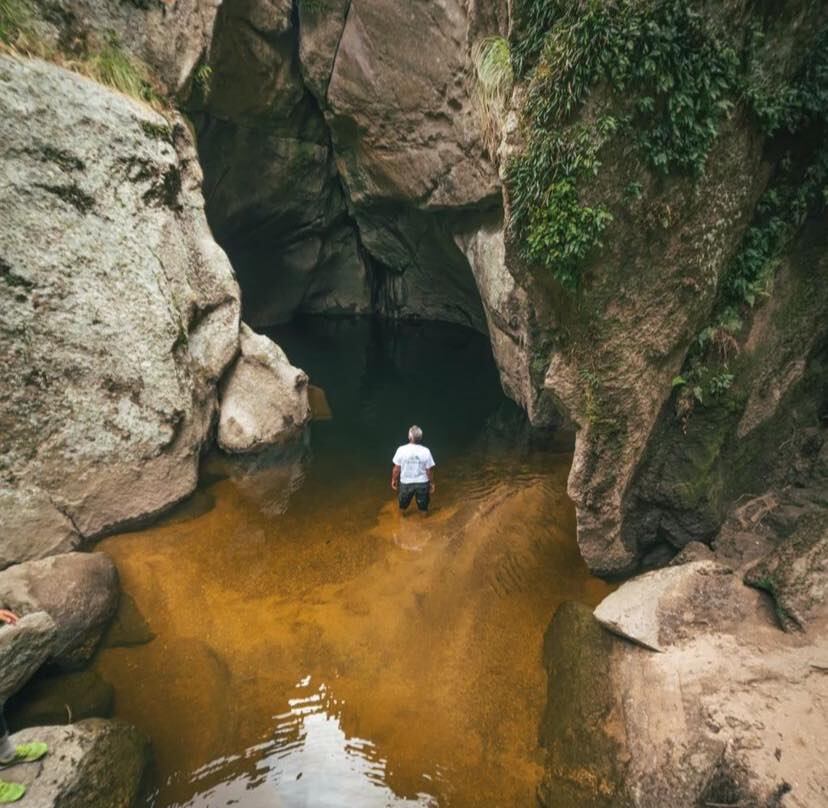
<point x="79" y="591"/>
<point x="118" y="311"/>
<point x="264" y="399"/>
<point x="95" y="763"/>
<point x="24" y="647"/>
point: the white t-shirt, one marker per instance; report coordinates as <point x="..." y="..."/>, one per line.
<point x="413" y="460"/>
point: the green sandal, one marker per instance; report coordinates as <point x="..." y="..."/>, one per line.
<point x="26" y="753"/>
<point x="10" y="792"/>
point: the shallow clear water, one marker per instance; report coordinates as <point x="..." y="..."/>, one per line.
<point x="316" y="649"/>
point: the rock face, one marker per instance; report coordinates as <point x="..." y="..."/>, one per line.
<point x="79" y="591"/>
<point x="645" y="472"/>
<point x="264" y="399"/>
<point x="356" y="122"/>
<point x="118" y="312"/>
<point x="730" y="713"/>
<point x="95" y="763"/>
<point x="24" y="647"/>
<point x="171" y="39"/>
<point x="796" y="572"/>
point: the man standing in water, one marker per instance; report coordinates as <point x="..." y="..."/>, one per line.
<point x="413" y="472"/>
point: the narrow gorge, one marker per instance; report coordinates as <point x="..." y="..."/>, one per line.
<point x="244" y="245"/>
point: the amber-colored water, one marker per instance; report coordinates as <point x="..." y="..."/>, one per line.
<point x="316" y="649"/>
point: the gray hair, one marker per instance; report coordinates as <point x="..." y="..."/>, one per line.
<point x="415" y="434"/>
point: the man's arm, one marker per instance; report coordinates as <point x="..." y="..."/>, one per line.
<point x="8" y="617"/>
<point x="395" y="477"/>
<point x="432" y="486"/>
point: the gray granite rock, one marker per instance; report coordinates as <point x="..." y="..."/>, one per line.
<point x="96" y="763"/>
<point x="24" y="647"/>
<point x="118" y="311"/>
<point x="79" y="591"/>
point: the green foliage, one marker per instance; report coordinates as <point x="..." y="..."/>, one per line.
<point x="313" y="6"/>
<point x="793" y="105"/>
<point x="203" y="78"/>
<point x="15" y="21"/>
<point x="558" y="232"/>
<point x="670" y="77"/>
<point x="797" y="193"/>
<point x="494" y="78"/>
<point x="780" y="213"/>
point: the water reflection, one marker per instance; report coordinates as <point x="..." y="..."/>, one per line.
<point x="310" y="761"/>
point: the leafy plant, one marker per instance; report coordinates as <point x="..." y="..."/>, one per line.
<point x="670" y="81"/>
<point x="493" y="72"/>
<point x="794" y="104"/>
<point x="203" y="78"/>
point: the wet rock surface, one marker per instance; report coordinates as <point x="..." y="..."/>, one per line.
<point x="95" y="763"/>
<point x="79" y="591"/>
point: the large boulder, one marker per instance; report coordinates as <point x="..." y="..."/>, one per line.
<point x="659" y="608"/>
<point x="79" y="591"/>
<point x="731" y="712"/>
<point x="582" y="735"/>
<point x="402" y="120"/>
<point x="24" y="647"/>
<point x="95" y="763"/>
<point x="264" y="399"/>
<point x="118" y="311"/>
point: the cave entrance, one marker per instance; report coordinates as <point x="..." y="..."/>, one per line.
<point x="313" y="646"/>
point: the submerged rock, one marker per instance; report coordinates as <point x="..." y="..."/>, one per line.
<point x="79" y="591"/>
<point x="61" y="699"/>
<point x="264" y="399"/>
<point x="24" y="647"/>
<point x="128" y="627"/>
<point x="118" y="311"/>
<point x="96" y="763"/>
<point x="583" y="735"/>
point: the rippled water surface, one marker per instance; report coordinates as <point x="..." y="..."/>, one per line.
<point x="315" y="649"/>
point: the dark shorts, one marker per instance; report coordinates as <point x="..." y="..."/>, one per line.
<point x="418" y="490"/>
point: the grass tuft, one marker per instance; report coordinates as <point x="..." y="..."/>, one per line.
<point x="492" y="63"/>
<point x="15" y="23"/>
<point x="113" y="66"/>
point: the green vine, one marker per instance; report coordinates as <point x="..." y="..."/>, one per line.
<point x="671" y="83"/>
<point x="797" y="192"/>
